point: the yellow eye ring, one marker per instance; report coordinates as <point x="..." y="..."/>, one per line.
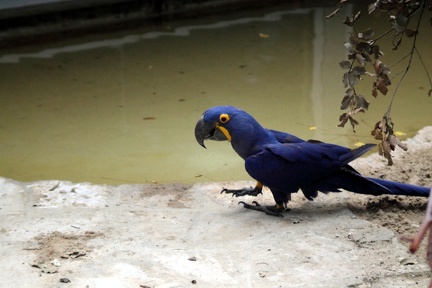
<point x="224" y="118"/>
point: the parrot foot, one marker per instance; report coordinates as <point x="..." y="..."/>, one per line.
<point x="269" y="210"/>
<point x="246" y="191"/>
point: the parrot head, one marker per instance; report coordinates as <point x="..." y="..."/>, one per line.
<point x="227" y="123"/>
<point x="212" y="124"/>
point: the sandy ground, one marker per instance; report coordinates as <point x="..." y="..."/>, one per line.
<point x="62" y="234"/>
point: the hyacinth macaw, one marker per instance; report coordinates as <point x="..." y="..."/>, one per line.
<point x="285" y="163"/>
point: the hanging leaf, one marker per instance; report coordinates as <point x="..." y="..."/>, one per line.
<point x="361" y="102"/>
<point x="343" y="120"/>
<point x="349" y="47"/>
<point x="381" y="85"/>
<point x="356" y="16"/>
<point x="381" y="68"/>
<point x="349" y="92"/>
<point x="376" y="52"/>
<point x="345" y="102"/>
<point x="333" y="13"/>
<point x="349" y="79"/>
<point x="347" y="21"/>
<point x="377" y="66"/>
<point x="398" y="42"/>
<point x="377" y="134"/>
<point x="402" y="21"/>
<point x="410" y="32"/>
<point x="387" y="152"/>
<point x="353" y="41"/>
<point x="363" y="46"/>
<point x="353" y="122"/>
<point x="394" y="141"/>
<point x="374" y="90"/>
<point x="367" y="58"/>
<point x="358" y="70"/>
<point x="345" y="80"/>
<point x="366" y="35"/>
<point x="372" y="7"/>
<point x="360" y="59"/>
<point x="345" y="64"/>
<point x="398" y="22"/>
<point x="350" y="21"/>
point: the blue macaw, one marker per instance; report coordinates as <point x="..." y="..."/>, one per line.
<point x="285" y="163"/>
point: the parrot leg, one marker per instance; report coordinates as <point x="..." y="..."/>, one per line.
<point x="269" y="210"/>
<point x="246" y="191"/>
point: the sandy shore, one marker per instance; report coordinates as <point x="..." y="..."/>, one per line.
<point x="178" y="235"/>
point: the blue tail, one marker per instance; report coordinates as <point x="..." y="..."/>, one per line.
<point x="397" y="188"/>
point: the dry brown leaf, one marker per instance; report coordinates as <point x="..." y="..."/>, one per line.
<point x="394" y="141"/>
<point x="358" y="71"/>
<point x="345" y="102"/>
<point x="356" y="16"/>
<point x="377" y="66"/>
<point x="366" y="35"/>
<point x="345" y="64"/>
<point x="361" y="102"/>
<point x="387" y="152"/>
<point x="361" y="59"/>
<point x="410" y="32"/>
<point x="343" y="120"/>
<point x="374" y="90"/>
<point x="396" y="45"/>
<point x="381" y="85"/>
<point x="371" y="8"/>
<point x="349" y="79"/>
<point x="377" y="134"/>
<point x="332" y="14"/>
<point x="380" y="149"/>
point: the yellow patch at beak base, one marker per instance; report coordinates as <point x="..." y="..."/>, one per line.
<point x="224" y="131"/>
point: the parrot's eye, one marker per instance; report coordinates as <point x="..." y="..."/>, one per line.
<point x="224" y="118"/>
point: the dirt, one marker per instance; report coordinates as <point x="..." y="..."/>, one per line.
<point x="58" y="245"/>
<point x="57" y="233"/>
<point x="403" y="215"/>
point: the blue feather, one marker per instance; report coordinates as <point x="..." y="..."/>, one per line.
<point x="286" y="163"/>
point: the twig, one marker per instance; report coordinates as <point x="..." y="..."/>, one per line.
<point x="382" y="35"/>
<point x="424" y="67"/>
<point x="411" y="54"/>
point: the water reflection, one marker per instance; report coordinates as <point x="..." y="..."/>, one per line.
<point x="123" y="109"/>
<point x="130" y="39"/>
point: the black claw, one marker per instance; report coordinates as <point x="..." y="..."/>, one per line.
<point x="242" y="192"/>
<point x="269" y="210"/>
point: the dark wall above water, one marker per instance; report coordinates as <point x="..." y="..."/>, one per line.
<point x="25" y="21"/>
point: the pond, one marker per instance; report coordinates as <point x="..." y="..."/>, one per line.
<point x="122" y="108"/>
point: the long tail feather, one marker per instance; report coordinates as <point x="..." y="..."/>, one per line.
<point x="355" y="153"/>
<point x="397" y="188"/>
<point x="351" y="180"/>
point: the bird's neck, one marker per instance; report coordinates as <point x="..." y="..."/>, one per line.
<point x="252" y="142"/>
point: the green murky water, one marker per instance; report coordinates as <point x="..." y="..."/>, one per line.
<point x="123" y="109"/>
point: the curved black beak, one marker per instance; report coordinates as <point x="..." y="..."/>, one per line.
<point x="205" y="130"/>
